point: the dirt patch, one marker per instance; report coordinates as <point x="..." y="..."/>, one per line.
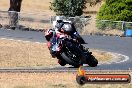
<point x="22" y="54"/>
<point x="30" y="6"/>
<point x="28" y="54"/>
<point x="49" y="80"/>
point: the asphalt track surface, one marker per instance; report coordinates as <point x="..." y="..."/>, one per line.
<point x="121" y="45"/>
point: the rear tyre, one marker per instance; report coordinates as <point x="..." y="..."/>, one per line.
<point x="76" y="66"/>
<point x="93" y="61"/>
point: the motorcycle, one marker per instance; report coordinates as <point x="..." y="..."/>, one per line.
<point x="69" y="51"/>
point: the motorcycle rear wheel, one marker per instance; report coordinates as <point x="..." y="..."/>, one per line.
<point x="92" y="62"/>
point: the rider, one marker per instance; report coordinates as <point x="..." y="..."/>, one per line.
<point x="67" y="27"/>
<point x="61" y="26"/>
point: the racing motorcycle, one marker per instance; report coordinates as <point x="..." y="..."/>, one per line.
<point x="68" y="50"/>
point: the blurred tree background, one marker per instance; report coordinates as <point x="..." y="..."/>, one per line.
<point x="117" y="10"/>
<point x="70" y="8"/>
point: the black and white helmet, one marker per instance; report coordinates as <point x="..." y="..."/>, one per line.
<point x="67" y="27"/>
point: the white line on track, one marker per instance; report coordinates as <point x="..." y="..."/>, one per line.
<point x="21" y="41"/>
<point x="123" y="59"/>
<point x="126" y="58"/>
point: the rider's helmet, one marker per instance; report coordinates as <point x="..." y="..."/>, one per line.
<point x="68" y="28"/>
<point x="59" y="19"/>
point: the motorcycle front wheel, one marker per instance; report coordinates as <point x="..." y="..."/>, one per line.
<point x="61" y="62"/>
<point x="69" y="60"/>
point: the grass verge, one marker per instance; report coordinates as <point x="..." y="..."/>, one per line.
<point x="28" y="54"/>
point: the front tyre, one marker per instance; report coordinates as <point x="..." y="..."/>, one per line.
<point x="69" y="60"/>
<point x="61" y="62"/>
